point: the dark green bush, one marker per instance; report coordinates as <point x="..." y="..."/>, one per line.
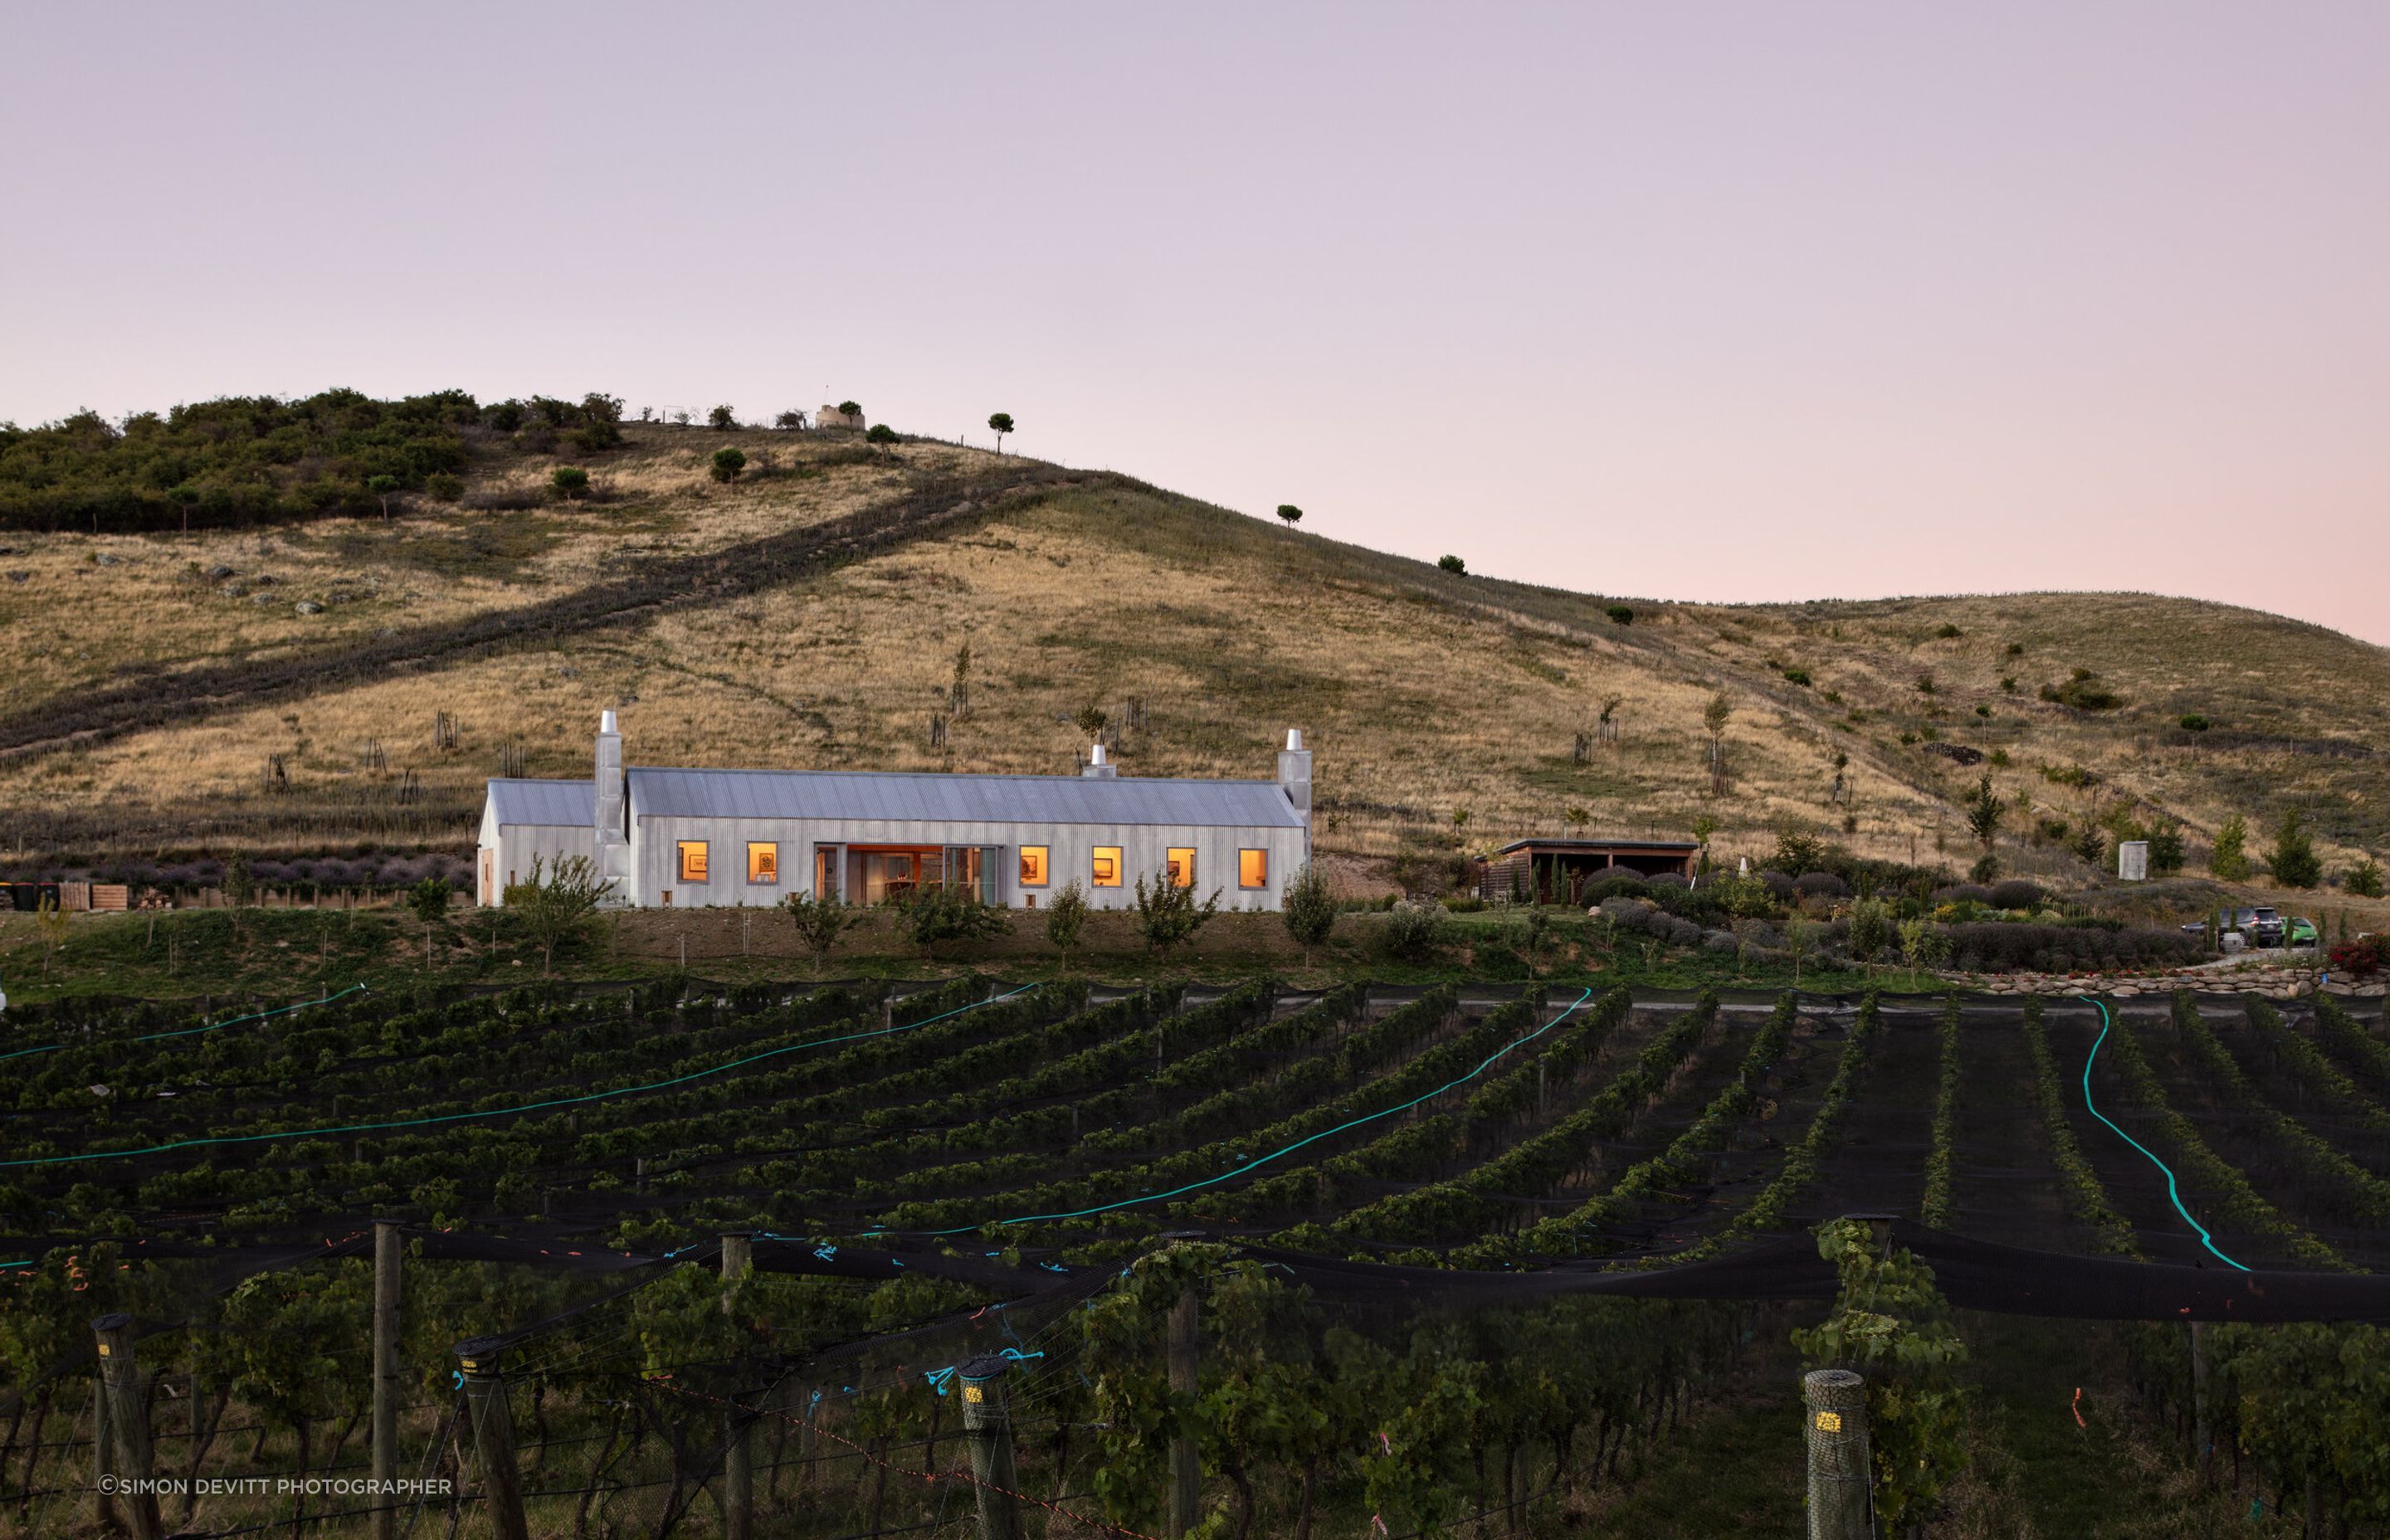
<point x="235" y="461"/>
<point x="2084" y="692"/>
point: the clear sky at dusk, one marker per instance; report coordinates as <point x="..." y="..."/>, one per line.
<point x="1697" y="302"/>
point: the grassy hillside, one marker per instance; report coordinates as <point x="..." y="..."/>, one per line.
<point x="812" y="616"/>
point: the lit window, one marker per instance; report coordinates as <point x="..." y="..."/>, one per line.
<point x="1182" y="868"/>
<point x="692" y="860"/>
<point x="1106" y="872"/>
<point x="1253" y="868"/>
<point x="764" y="861"/>
<point x="1033" y="866"/>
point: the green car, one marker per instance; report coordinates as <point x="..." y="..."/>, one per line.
<point x="2302" y="932"/>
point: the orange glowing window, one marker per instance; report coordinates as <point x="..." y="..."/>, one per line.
<point x="1182" y="868"/>
<point x="762" y="862"/>
<point x="1106" y="870"/>
<point x="692" y="860"/>
<point x="1033" y="866"/>
<point x="1253" y="868"/>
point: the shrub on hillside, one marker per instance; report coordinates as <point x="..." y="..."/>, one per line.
<point x="2293" y="860"/>
<point x="1412" y="932"/>
<point x="2083" y="692"/>
<point x="1820" y="885"/>
<point x="2009" y="947"/>
<point x="1620" y="883"/>
<point x="2016" y="893"/>
<point x="2361" y="958"/>
<point x="1619" y="614"/>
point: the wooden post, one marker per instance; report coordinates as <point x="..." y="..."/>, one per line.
<point x="738" y="1453"/>
<point x="1841" y="1489"/>
<point x="2202" y="1454"/>
<point x="125" y="1415"/>
<point x="987" y="1429"/>
<point x="386" y="1372"/>
<point x="493" y="1436"/>
<point x="1186" y="1468"/>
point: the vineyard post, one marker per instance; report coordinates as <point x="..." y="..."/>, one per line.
<point x="988" y="1431"/>
<point x="1186" y="1469"/>
<point x="738" y="1463"/>
<point x="494" y="1435"/>
<point x="386" y="1372"/>
<point x="1841" y="1474"/>
<point x="2202" y="1455"/>
<point x="103" y="1507"/>
<point x="126" y="1415"/>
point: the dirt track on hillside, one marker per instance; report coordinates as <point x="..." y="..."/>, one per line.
<point x="933" y="507"/>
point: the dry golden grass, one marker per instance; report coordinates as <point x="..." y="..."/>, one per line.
<point x="1426" y="695"/>
<point x="98" y="609"/>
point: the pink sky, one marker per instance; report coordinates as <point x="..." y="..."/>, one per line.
<point x="1691" y="301"/>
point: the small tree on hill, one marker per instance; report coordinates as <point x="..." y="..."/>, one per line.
<point x="50" y="925"/>
<point x="790" y="419"/>
<point x="239" y="886"/>
<point x="1454" y="565"/>
<point x="880" y="434"/>
<point x="1984" y="811"/>
<point x="2166" y="847"/>
<point x="936" y="917"/>
<point x="722" y="420"/>
<point x="1922" y="946"/>
<point x="1289" y="515"/>
<point x="1870" y="931"/>
<point x="1091" y="720"/>
<point x="428" y="902"/>
<point x="2364" y="880"/>
<point x="1066" y="918"/>
<point x="188" y="497"/>
<point x="1704" y="825"/>
<point x="2229" y="862"/>
<point x="850" y="409"/>
<point x="556" y="904"/>
<point x="570" y="482"/>
<point x="1002" y="423"/>
<point x="1310" y="911"/>
<point x="727" y="463"/>
<point x="1167" y="913"/>
<point x="383" y="488"/>
<point x="2292" y="859"/>
<point x="818" y="922"/>
<point x="601" y="424"/>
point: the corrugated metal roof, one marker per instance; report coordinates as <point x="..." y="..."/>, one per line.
<point x="903" y="798"/>
<point x="564" y="803"/>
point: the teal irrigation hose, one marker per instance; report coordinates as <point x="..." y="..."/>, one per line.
<point x="2174" y="1193"/>
<point x="510" y="1112"/>
<point x="187" y="1031"/>
<point x="1249" y="1167"/>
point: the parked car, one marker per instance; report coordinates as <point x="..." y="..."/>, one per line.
<point x="2260" y="925"/>
<point x="2299" y="932"/>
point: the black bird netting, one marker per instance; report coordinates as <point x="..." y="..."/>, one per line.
<point x="1543" y="1224"/>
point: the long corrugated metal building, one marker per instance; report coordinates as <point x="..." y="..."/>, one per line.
<point x="681" y="838"/>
